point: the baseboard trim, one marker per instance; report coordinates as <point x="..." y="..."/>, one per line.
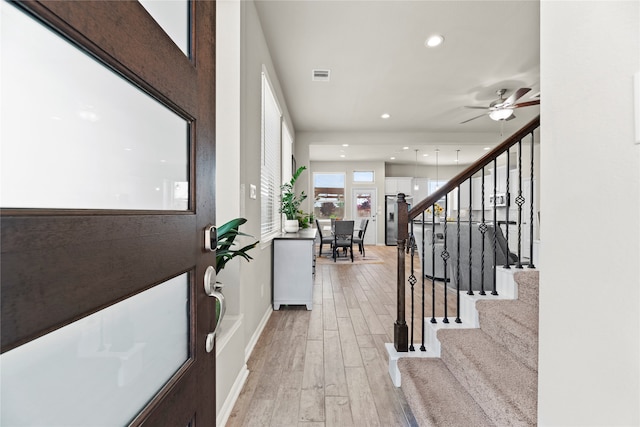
<point x="230" y="401"/>
<point x="256" y="335"/>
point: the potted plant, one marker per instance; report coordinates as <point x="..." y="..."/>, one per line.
<point x="225" y="252"/>
<point x="290" y="202"/>
<point x="224" y="249"/>
<point x="304" y="219"/>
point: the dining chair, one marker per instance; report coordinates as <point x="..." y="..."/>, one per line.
<point x="343" y="238"/>
<point x="359" y="240"/>
<point x="323" y="239"/>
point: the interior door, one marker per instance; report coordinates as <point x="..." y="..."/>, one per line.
<point x="364" y="207"/>
<point x="108" y="165"/>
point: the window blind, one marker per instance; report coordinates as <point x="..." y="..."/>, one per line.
<point x="270" y="166"/>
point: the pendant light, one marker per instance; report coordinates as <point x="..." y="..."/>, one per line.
<point x="416" y="187"/>
<point x="437" y="178"/>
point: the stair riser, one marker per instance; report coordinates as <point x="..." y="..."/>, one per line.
<point x="528" y="289"/>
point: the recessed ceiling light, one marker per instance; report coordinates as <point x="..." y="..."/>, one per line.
<point x="405" y="148"/>
<point x="345" y="145"/>
<point x="487" y="148"/>
<point x="425" y="155"/>
<point x="342" y="155"/>
<point x="392" y="158"/>
<point x="385" y="115"/>
<point x="434" y="40"/>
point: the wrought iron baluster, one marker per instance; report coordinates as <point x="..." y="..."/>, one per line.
<point x="458" y="255"/>
<point x="495" y="224"/>
<point x="422" y="273"/>
<point x="519" y="201"/>
<point x="412" y="281"/>
<point x="506" y="262"/>
<point x="483" y="230"/>
<point x="470" y="283"/>
<point x="433" y="264"/>
<point x="531" y="206"/>
<point x="445" y="257"/>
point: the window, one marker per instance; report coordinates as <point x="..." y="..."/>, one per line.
<point x="328" y="191"/>
<point x="363" y="176"/>
<point x="270" y="177"/>
<point x="287" y="153"/>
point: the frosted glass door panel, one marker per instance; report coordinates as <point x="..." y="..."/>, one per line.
<point x="76" y="135"/>
<point x="173" y="17"/>
<point x="103" y="369"/>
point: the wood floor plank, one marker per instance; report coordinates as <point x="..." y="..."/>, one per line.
<point x="350" y="296"/>
<point x="340" y="305"/>
<point x="363" y="407"/>
<point x="260" y="412"/>
<point x="288" y="400"/>
<point x="312" y="389"/>
<point x="317" y="292"/>
<point x="316" y="327"/>
<point x="327" y="292"/>
<point x="335" y="382"/>
<point x="365" y="341"/>
<point x="338" y="412"/>
<point x="389" y="409"/>
<point x="329" y="318"/>
<point x="294" y="358"/>
<point x="360" y="326"/>
<point x="375" y="327"/>
<point x="350" y="349"/>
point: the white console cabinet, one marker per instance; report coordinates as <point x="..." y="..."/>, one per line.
<point x="294" y="268"/>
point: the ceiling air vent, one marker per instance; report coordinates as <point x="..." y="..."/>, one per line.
<point x="321" y="75"/>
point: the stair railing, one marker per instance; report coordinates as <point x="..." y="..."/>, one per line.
<point x="482" y="220"/>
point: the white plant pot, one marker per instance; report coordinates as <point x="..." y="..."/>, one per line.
<point x="291" y="226"/>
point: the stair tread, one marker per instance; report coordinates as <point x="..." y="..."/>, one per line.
<point x="504" y="387"/>
<point x="436" y="397"/>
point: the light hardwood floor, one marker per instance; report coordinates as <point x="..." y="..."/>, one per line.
<point x="328" y="366"/>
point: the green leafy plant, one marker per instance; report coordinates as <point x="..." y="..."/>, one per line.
<point x="225" y="250"/>
<point x="289" y="200"/>
<point x="304" y="219"/>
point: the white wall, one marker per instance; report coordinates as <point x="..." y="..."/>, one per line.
<point x="255" y="277"/>
<point x="241" y="52"/>
<point x="589" y="289"/>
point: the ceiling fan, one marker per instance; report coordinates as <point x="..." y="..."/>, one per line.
<point x="501" y="108"/>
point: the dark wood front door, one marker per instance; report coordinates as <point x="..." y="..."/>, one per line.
<point x="118" y="269"/>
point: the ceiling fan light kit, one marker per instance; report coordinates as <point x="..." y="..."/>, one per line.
<point x="501" y="108"/>
<point x="501" y="114"/>
<point x="434" y="40"/>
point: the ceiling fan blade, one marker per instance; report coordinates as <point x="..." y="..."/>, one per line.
<point x="473" y="118"/>
<point x="526" y="104"/>
<point x="477" y="107"/>
<point x="515" y="96"/>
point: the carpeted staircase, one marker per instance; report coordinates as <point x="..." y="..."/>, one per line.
<point x="486" y="376"/>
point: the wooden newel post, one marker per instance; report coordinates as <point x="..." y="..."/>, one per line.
<point x="400" y="330"/>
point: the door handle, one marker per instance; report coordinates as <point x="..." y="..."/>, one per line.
<point x="214" y="290"/>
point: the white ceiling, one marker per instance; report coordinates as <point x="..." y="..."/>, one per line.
<point x="379" y="63"/>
